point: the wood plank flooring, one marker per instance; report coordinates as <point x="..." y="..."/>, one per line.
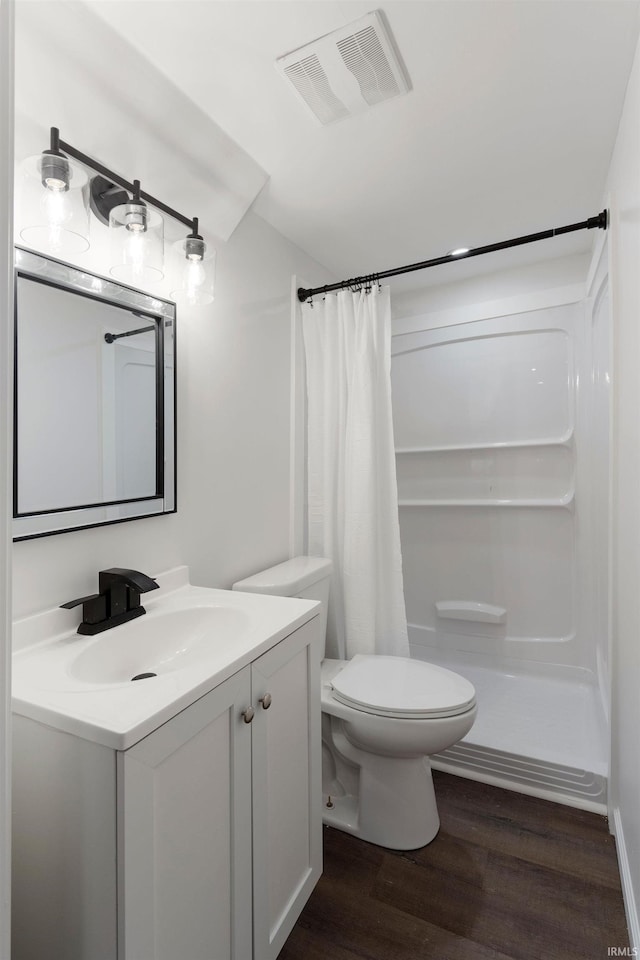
<point x="508" y="877"/>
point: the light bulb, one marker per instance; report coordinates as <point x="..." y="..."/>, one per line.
<point x="134" y="252"/>
<point x="57" y="210"/>
<point x="195" y="276"/>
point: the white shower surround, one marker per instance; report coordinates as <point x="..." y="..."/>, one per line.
<point x="501" y="416"/>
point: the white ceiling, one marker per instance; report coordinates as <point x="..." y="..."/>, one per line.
<point x="508" y="128"/>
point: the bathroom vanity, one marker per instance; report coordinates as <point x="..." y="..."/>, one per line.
<point x="177" y="816"/>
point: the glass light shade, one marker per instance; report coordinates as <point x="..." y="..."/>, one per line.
<point x="193" y="270"/>
<point x="54" y="206"/>
<point x="137" y="244"/>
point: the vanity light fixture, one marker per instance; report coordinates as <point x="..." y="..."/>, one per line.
<point x="55" y="205"/>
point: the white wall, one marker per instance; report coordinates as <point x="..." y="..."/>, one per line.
<point x="236" y="446"/>
<point x="624" y="203"/>
<point x="6" y="380"/>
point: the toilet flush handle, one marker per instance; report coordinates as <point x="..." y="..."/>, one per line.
<point x="265" y="701"/>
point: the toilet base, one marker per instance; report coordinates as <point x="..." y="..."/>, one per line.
<point x="390" y="802"/>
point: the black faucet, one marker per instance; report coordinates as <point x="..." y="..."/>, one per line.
<point x="117" y="602"/>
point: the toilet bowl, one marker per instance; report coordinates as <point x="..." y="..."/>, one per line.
<point x="382" y="717"/>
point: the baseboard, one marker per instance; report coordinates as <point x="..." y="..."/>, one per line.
<point x="628" y="893"/>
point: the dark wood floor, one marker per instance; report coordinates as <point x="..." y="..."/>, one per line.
<point x="508" y="877"/>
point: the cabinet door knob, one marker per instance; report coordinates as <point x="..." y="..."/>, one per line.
<point x="248" y="714"/>
<point x="265" y="701"/>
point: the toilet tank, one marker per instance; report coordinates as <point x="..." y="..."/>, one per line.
<point x="305" y="577"/>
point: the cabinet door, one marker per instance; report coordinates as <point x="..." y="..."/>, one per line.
<point x="286" y="758"/>
<point x="184" y="834"/>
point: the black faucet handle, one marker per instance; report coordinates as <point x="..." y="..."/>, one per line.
<point x="94" y="607"/>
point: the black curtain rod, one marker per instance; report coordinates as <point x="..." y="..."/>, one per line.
<point x="600" y="222"/>
<point x="111" y="337"/>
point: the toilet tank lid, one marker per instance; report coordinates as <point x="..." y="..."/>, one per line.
<point x="287" y="579"/>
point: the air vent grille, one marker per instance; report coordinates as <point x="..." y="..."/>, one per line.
<point x="364" y="57"/>
<point x="312" y="84"/>
<point x="347" y="71"/>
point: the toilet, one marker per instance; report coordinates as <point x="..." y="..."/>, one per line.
<point x="382" y="718"/>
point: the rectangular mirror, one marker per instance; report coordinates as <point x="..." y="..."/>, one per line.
<point x="94" y="417"/>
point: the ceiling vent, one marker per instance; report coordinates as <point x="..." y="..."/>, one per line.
<point x="347" y="71"/>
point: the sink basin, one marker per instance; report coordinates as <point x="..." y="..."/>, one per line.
<point x="157" y="643"/>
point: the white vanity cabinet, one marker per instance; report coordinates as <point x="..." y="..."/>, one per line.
<point x="201" y="842"/>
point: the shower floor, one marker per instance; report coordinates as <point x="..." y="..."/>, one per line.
<point x="538" y="734"/>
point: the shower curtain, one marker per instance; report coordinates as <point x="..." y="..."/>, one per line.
<point x="352" y="491"/>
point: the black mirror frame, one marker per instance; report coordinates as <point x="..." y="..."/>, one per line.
<point x="56" y="273"/>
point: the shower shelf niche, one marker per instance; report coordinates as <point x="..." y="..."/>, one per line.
<point x="504" y="475"/>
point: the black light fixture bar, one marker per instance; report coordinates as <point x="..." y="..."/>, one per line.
<point x="58" y="145"/>
<point x="600" y="222"/>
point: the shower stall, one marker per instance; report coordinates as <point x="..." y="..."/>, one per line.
<point x="501" y="418"/>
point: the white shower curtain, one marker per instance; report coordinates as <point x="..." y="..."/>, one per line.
<point x="352" y="490"/>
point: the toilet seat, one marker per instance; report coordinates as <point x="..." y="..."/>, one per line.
<point x="402" y="688"/>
